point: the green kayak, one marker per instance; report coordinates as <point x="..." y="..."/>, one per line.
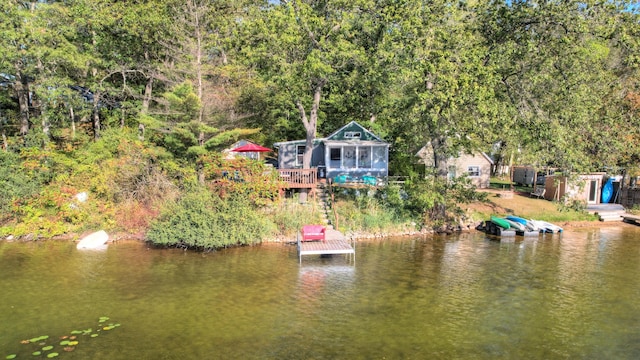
<point x="500" y="222"/>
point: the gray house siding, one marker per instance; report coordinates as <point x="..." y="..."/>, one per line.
<point x="288" y="154"/>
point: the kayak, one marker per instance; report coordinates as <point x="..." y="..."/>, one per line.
<point x="516" y="225"/>
<point x="530" y="226"/>
<point x="548" y="227"/>
<point x="607" y="191"/>
<point x="500" y="222"/>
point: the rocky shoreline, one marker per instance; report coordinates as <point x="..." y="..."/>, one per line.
<point x="351" y="235"/>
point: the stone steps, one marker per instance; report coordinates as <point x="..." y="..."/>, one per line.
<point x="611" y="215"/>
<point x="323" y="205"/>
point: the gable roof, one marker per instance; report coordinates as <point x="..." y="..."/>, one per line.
<point x="366" y="137"/>
<point x="353" y="127"/>
<point x="426" y="151"/>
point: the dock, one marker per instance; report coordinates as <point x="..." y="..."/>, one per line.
<point x="631" y="219"/>
<point x="335" y="243"/>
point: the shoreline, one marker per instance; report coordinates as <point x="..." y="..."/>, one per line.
<point x="354" y="236"/>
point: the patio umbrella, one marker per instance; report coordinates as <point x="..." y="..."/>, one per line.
<point x="251" y="147"/>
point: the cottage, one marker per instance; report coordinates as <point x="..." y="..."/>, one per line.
<point x="584" y="187"/>
<point x="476" y="166"/>
<point x="351" y="152"/>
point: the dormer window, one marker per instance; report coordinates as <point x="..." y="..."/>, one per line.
<point x="352" y="134"/>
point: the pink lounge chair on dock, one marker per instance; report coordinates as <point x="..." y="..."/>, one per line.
<point x="313" y="232"/>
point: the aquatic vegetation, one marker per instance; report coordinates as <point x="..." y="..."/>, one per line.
<point x="68" y="342"/>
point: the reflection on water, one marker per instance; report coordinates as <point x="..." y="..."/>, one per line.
<point x="464" y="296"/>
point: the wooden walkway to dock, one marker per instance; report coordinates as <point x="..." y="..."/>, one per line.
<point x="335" y="243"/>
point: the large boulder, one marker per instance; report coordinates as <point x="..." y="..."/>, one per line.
<point x="96" y="240"/>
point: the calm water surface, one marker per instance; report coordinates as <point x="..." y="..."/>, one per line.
<point x="575" y="296"/>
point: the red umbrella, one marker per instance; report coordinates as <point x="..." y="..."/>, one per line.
<point x="251" y="147"/>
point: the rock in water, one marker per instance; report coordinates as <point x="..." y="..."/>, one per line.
<point x="97" y="240"/>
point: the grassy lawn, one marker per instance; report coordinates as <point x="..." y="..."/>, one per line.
<point x="523" y="205"/>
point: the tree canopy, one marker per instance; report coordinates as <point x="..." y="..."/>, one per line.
<point x="555" y="83"/>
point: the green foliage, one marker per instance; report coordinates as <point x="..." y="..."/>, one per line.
<point x="425" y="201"/>
<point x="352" y="217"/>
<point x="568" y="205"/>
<point x="184" y="102"/>
<point x="289" y="216"/>
<point x="19" y="179"/>
<point x="246" y="177"/>
<point x="201" y="220"/>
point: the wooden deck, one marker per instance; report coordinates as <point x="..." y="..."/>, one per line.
<point x="299" y="178"/>
<point x="335" y="243"/>
<point x="631" y="219"/>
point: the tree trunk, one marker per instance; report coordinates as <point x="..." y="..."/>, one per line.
<point x="141" y="132"/>
<point x="200" y="171"/>
<point x="310" y="126"/>
<point x="96" y="115"/>
<point x="146" y="100"/>
<point x="21" y="87"/>
<point x="45" y="124"/>
<point x="441" y="162"/>
<point x="440" y="157"/>
<point x="72" y="116"/>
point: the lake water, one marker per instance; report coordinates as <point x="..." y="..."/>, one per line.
<point x="575" y="296"/>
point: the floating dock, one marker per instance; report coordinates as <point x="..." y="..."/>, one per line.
<point x="335" y="243"/>
<point x="492" y="229"/>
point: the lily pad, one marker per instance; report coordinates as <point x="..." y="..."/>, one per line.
<point x="76" y="332"/>
<point x="64" y="342"/>
<point x="47" y="348"/>
<point x="94" y="335"/>
<point x="12" y="356"/>
<point x="36" y="353"/>
<point x="73" y="343"/>
<point x="52" y="355"/>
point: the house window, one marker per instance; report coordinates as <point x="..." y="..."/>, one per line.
<point x="473" y="170"/>
<point x="299" y="154"/>
<point x="349" y="161"/>
<point x="364" y="157"/>
<point x="335" y="154"/>
<point x="352" y="134"/>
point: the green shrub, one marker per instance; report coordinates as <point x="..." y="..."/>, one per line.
<point x="203" y="221"/>
<point x="289" y="216"/>
<point x="13" y="183"/>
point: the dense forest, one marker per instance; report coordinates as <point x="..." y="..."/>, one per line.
<point x="130" y="98"/>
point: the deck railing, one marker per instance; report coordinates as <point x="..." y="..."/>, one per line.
<point x="299" y="178"/>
